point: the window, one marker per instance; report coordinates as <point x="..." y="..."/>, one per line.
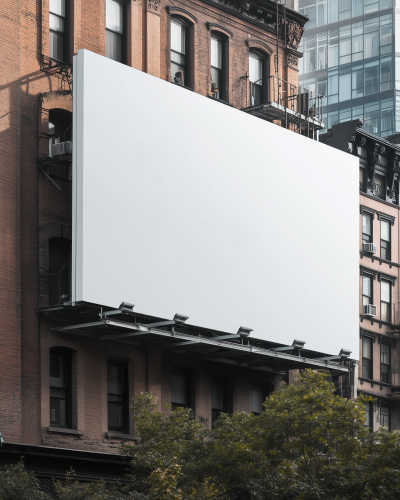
<point x="385" y="363"/>
<point x="59" y="270"/>
<point x="259" y="394"/>
<point x="379" y="183"/>
<point x="362" y="190"/>
<point x="114" y="30"/>
<point x="117" y="396"/>
<point x="219" y="398"/>
<point x="180" y="389"/>
<point x="217" y="72"/>
<point x="60" y="393"/>
<point x="60" y="130"/>
<point x="385" y="240"/>
<point x="385" y="301"/>
<point x="58" y="30"/>
<point x="366" y="225"/>
<point x="385" y="417"/>
<point x="367" y="358"/>
<point x="256" y="71"/>
<point x="179" y="50"/>
<point x="366" y="290"/>
<point x="368" y="415"/>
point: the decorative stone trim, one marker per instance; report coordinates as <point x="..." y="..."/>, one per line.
<point x="181" y="11"/>
<point x="388" y="218"/>
<point x="387" y="277"/>
<point x="367" y="211"/>
<point x="62" y="430"/>
<point x="219" y="27"/>
<point x="381" y="261"/>
<point x="367" y="270"/>
<point x="381" y="338"/>
<point x="153" y="5"/>
<point x="125" y="437"/>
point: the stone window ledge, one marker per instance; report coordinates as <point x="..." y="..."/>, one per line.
<point x="118" y="435"/>
<point x="61" y="430"/>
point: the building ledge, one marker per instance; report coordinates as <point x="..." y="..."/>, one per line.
<point x="374" y="257"/>
<point x="118" y="435"/>
<point x="62" y="430"/>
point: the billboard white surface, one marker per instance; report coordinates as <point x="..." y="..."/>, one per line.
<point x="183" y="204"/>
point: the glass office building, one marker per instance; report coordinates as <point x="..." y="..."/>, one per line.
<point x="352" y="56"/>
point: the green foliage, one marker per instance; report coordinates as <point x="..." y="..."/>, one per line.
<point x="307" y="444"/>
<point x="17" y="483"/>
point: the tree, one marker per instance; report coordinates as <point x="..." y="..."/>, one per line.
<point x="16" y="482"/>
<point x="308" y="443"/>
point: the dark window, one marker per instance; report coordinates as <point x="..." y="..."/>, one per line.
<point x="385" y="417"/>
<point x="59" y="271"/>
<point x="259" y="393"/>
<point x="385" y="240"/>
<point x="60" y="145"/>
<point x="368" y="415"/>
<point x="378" y="187"/>
<point x="115" y="30"/>
<point x="180" y="389"/>
<point x="117" y="396"/>
<point x="256" y="73"/>
<point x="179" y="52"/>
<point x="367" y="358"/>
<point x="219" y="398"/>
<point x="385" y="363"/>
<point x="362" y="188"/>
<point x="60" y="392"/>
<point x="366" y="228"/>
<point x="366" y="290"/>
<point x="217" y="65"/>
<point x="58" y="29"/>
<point x="385" y="301"/>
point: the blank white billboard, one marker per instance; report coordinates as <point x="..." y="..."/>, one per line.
<point x="184" y="204"/>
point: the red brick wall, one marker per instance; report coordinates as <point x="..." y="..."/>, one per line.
<point x="32" y="209"/>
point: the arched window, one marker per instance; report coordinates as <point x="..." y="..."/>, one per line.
<point x="180" y="52"/>
<point x="60" y="388"/>
<point x="217" y="67"/>
<point x="59" y="271"/>
<point x="256" y="78"/>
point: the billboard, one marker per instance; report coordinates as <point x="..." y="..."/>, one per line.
<point x="184" y="204"/>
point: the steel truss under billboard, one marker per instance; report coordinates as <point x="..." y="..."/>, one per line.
<point x="183" y="204"/>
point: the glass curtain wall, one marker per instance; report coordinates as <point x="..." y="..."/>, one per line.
<point x="349" y="57"/>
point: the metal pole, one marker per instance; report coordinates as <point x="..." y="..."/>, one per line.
<point x="277" y="40"/>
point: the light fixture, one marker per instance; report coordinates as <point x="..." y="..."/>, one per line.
<point x="298" y="344"/>
<point x="214" y="87"/>
<point x="344" y="353"/>
<point x="126" y="307"/>
<point x="180" y="318"/>
<point x="244" y="331"/>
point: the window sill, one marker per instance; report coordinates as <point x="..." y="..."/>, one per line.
<point x="118" y="435"/>
<point x="182" y="86"/>
<point x="62" y="430"/>
<point x="374" y="257"/>
<point x="373" y="382"/>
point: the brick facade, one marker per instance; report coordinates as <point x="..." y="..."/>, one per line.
<point x="33" y="209"/>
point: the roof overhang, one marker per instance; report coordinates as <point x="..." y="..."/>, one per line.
<point x="129" y="327"/>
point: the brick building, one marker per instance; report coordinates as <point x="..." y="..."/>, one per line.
<point x="379" y="369"/>
<point x="64" y="394"/>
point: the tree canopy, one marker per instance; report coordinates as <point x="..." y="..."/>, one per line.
<point x="307" y="444"/>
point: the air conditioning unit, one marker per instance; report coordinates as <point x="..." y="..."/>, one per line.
<point x="179" y="78"/>
<point x="369" y="310"/>
<point x="370" y="247"/>
<point x="62" y="148"/>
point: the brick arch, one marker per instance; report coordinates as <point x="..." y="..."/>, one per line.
<point x="179" y="11"/>
<point x="260" y="45"/>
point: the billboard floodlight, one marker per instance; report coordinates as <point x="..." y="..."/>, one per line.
<point x="180" y="318"/>
<point x="126" y="307"/>
<point x="244" y="331"/>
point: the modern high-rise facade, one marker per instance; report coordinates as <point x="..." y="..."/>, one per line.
<point x="352" y="57"/>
